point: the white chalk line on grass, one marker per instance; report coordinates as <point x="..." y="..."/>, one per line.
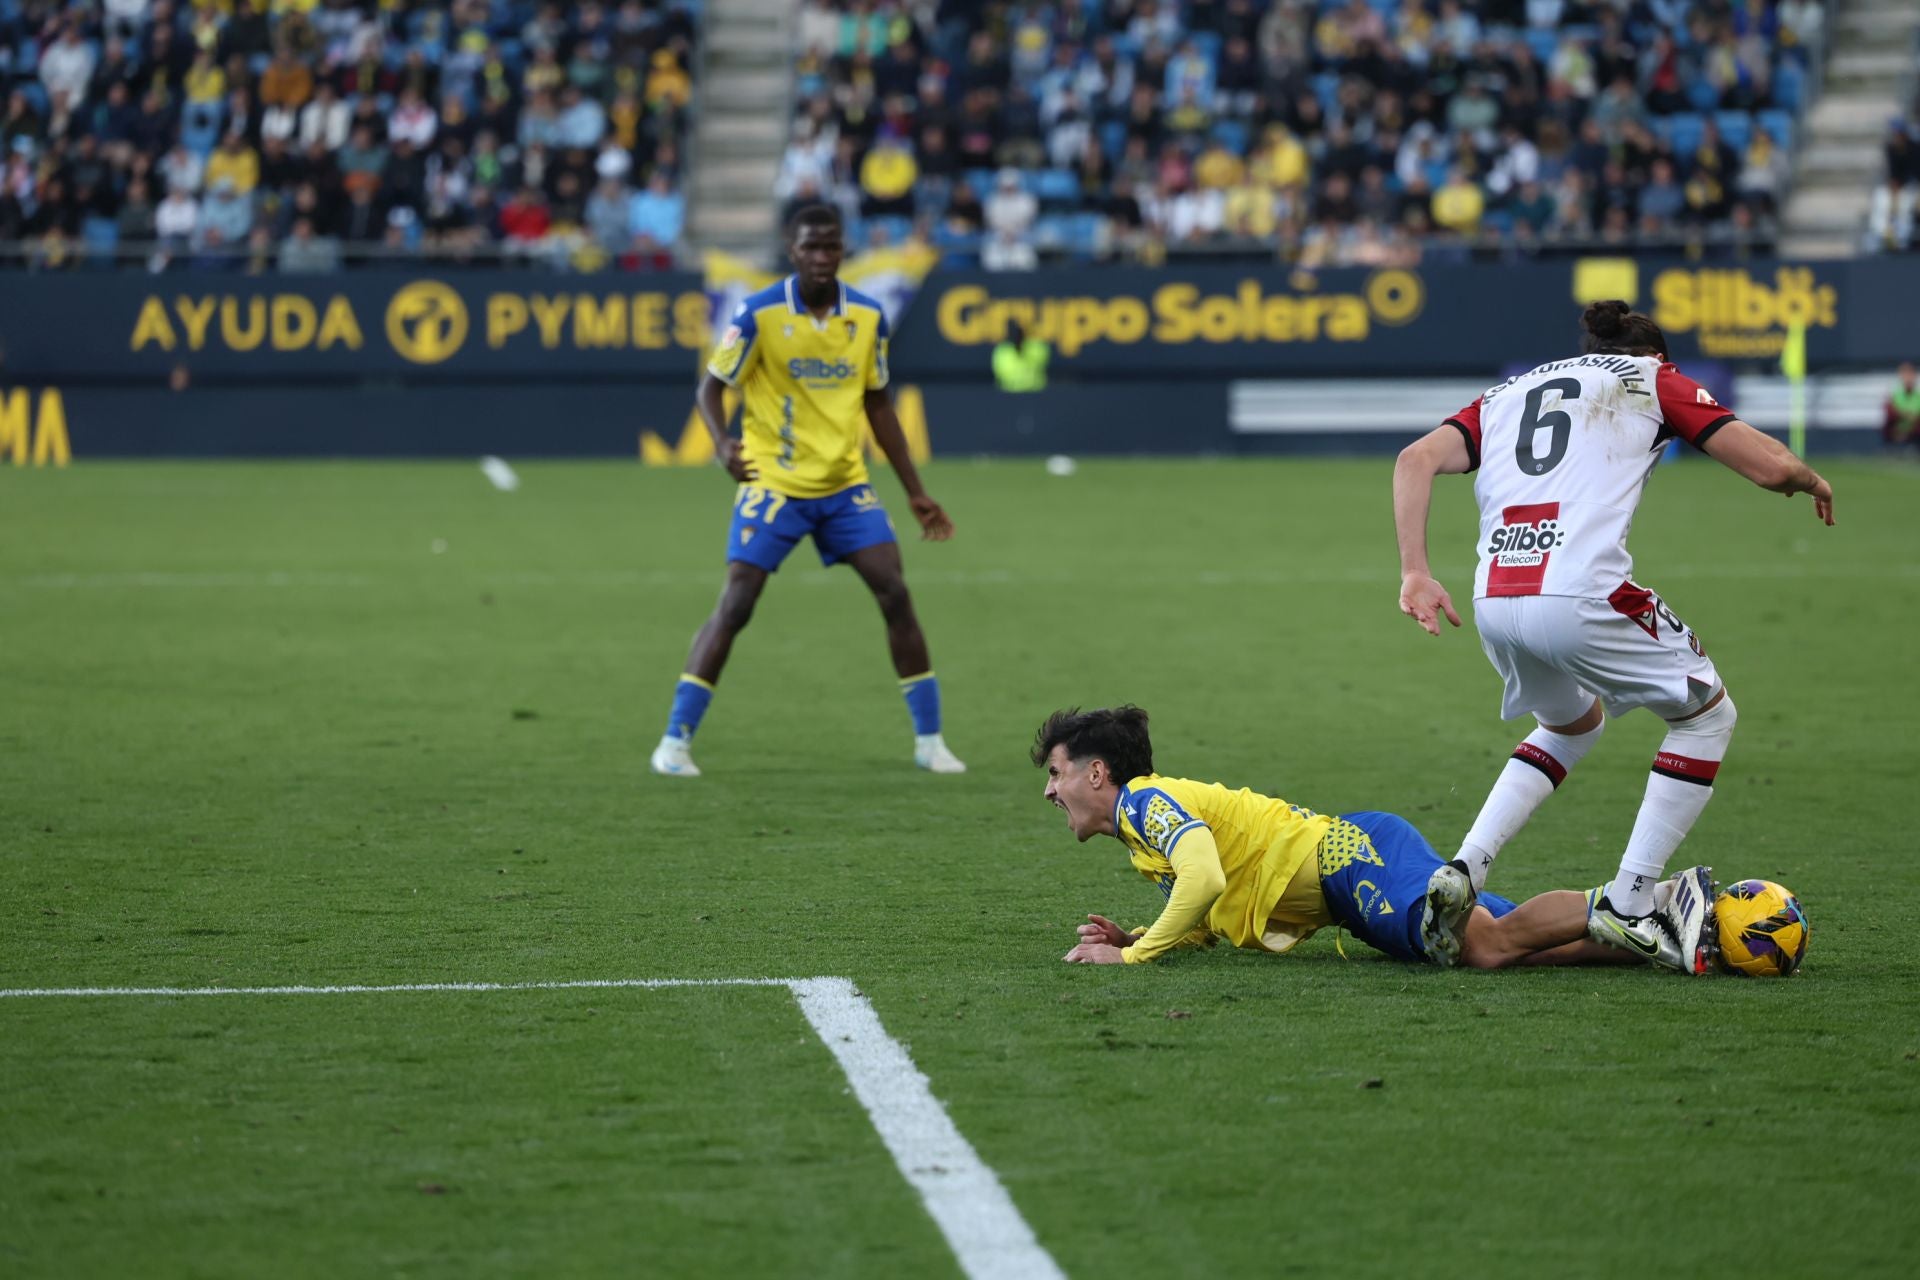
<point x="703" y="579"/>
<point x="962" y="1194"/>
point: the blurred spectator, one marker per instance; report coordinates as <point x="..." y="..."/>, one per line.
<point x="227" y="216"/>
<point x="176" y="219"/>
<point x="1903" y="407"/>
<point x="66" y="66"/>
<point x="1011" y="210"/>
<point x="1020" y="361"/>
<point x="656" y="214"/>
<point x="1005" y="251"/>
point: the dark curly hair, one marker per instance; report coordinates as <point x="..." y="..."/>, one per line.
<point x="1117" y="735"/>
<point x="1614" y="328"/>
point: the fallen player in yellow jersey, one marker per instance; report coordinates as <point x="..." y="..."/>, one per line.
<point x="1263" y="873"/>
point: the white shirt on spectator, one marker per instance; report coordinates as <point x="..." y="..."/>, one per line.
<point x="176" y="216"/>
<point x="65" y="67"/>
<point x="1008" y="253"/>
<point x="1067" y="142"/>
<point x="279" y="122"/>
<point x="1195" y="215"/>
<point x="1011" y="209"/>
<point x="805" y="160"/>
<point x="182" y="170"/>
<point x="416" y="122"/>
<point x="1520" y="164"/>
<point x="326" y="122"/>
<point x="818" y="27"/>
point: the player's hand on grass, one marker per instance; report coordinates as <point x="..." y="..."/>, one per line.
<point x="935" y="526"/>
<point x="1822" y="499"/>
<point x="1424" y="600"/>
<point x="732" y="456"/>
<point x="1102" y="930"/>
<point x="1094" y="953"/>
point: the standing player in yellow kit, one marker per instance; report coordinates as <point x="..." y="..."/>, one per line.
<point x="809" y="357"/>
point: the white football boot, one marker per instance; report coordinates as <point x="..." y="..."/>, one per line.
<point x="1444" y="913"/>
<point x="1688" y="912"/>
<point x="1651" y="937"/>
<point x="930" y="753"/>
<point x="673" y="758"/>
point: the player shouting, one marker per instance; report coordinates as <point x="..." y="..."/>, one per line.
<point x="1563" y="453"/>
<point x="809" y="356"/>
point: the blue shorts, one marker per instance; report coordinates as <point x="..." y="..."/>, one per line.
<point x="768" y="525"/>
<point x="1377" y="895"/>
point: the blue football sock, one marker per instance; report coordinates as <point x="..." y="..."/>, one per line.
<point x="690" y="699"/>
<point x="922" y="693"/>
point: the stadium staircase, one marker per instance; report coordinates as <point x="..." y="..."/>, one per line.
<point x="1868" y="71"/>
<point x="746" y="98"/>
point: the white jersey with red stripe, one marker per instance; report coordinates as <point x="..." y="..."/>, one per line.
<point x="1563" y="453"/>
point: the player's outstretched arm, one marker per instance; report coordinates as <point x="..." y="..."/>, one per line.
<point x="935" y="526"/>
<point x="1198" y="880"/>
<point x="711" y="400"/>
<point x="1442" y="451"/>
<point x="1769" y="464"/>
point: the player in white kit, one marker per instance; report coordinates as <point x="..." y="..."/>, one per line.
<point x="1563" y="453"/>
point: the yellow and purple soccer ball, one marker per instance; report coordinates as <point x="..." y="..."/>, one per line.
<point x="1763" y="930"/>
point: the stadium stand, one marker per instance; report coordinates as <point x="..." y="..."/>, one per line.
<point x="302" y="134"/>
<point x="1340" y="131"/>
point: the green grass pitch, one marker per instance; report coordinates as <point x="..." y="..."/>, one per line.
<point x="255" y="730"/>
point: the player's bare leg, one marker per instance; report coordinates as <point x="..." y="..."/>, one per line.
<point x="714" y="641"/>
<point x="881" y="569"/>
<point x="711" y="644"/>
<point x="1550" y="928"/>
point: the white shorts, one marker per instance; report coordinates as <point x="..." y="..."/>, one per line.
<point x="1557" y="653"/>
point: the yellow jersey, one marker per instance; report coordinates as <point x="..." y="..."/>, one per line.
<point x="804" y="383"/>
<point x="1266" y="846"/>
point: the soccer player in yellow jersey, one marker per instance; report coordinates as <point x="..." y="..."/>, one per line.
<point x="809" y="357"/>
<point x="1266" y="874"/>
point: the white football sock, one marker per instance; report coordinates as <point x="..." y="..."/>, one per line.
<point x="1677" y="794"/>
<point x="1539" y="764"/>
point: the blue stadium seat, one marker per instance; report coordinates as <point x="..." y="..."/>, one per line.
<point x="1780" y="125"/>
<point x="1326" y="87"/>
<point x="1113" y="139"/>
<point x="200" y="127"/>
<point x="1544" y="44"/>
<point x="1684" y="130"/>
<point x="1055" y="186"/>
<point x="100" y="237"/>
<point x="1790" y="85"/>
<point x="896" y="228"/>
<point x="1702" y="94"/>
<point x="1736" y="127"/>
<point x="1234" y="135"/>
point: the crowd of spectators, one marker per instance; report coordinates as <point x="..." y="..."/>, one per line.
<point x="1337" y="131"/>
<point x="295" y="134"/>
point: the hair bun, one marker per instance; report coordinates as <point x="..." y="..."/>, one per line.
<point x="1606" y="319"/>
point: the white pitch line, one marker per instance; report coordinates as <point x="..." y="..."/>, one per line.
<point x="588" y="984"/>
<point x="971" y="1208"/>
<point x="962" y="1194"/>
<point x="701" y="578"/>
